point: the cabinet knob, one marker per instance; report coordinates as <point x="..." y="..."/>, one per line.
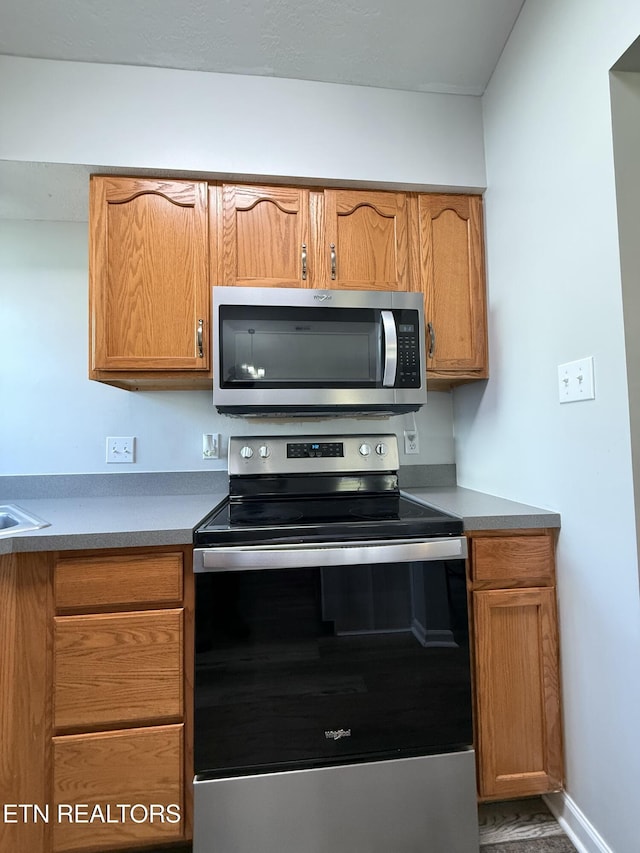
<point x="332" y="246"/>
<point x="304" y="261"/>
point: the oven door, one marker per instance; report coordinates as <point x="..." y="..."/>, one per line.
<point x="313" y="656"/>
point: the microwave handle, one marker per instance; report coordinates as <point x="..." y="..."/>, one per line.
<point x="390" y="349"/>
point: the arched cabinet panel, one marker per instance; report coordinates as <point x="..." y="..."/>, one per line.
<point x="265" y="237"/>
<point x="453" y="278"/>
<point x="148" y="271"/>
<point x="364" y="244"/>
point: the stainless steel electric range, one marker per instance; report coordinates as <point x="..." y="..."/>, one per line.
<point x="332" y="683"/>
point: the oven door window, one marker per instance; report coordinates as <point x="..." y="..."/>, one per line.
<point x="305" y="667"/>
<point x="269" y="347"/>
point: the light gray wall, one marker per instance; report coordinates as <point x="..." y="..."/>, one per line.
<point x="53" y="420"/>
<point x="66" y="113"/>
<point x="554" y="296"/>
<point x="135" y="117"/>
<point x="625" y="104"/>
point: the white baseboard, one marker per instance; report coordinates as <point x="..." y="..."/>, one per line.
<point x="583" y="835"/>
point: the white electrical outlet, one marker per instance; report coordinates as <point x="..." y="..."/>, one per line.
<point x="411" y="443"/>
<point x="121" y="448"/>
<point x="575" y="380"/>
<point x="210" y="445"/>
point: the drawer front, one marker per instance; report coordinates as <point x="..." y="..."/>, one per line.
<point x="115" y="669"/>
<point x="130" y="781"/>
<point x="512" y="558"/>
<point x="113" y="580"/>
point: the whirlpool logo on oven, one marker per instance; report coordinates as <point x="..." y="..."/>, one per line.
<point x="337" y="734"/>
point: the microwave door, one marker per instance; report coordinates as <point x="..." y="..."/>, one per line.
<point x="390" y="349"/>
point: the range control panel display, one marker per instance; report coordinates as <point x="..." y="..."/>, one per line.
<point x="305" y="449"/>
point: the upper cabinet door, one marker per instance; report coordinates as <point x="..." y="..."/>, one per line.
<point x="264" y="237"/>
<point x="453" y="278"/>
<point x="148" y="269"/>
<point x="363" y="244"/>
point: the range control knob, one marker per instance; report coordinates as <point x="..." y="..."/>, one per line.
<point x="246" y="452"/>
<point x="365" y="449"/>
<point x="264" y="451"/>
<point x="381" y="449"/>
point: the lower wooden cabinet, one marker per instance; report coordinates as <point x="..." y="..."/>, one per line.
<point x="121" y="650"/>
<point x="113" y="669"/>
<point x="516" y="668"/>
<point x="25" y="614"/>
<point x="96" y="709"/>
<point x="118" y="789"/>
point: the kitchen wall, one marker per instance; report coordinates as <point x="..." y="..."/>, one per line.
<point x="554" y="289"/>
<point x="57" y="117"/>
<point x="54" y="420"/>
<point x="554" y="296"/>
<point x="157" y="118"/>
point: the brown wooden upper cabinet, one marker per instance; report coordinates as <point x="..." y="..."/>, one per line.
<point x="295" y="237"/>
<point x="157" y="246"/>
<point x="149" y="276"/>
<point x="364" y="244"/>
<point x="452" y="272"/>
<point x="264" y="236"/>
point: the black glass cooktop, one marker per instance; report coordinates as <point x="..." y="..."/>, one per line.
<point x="315" y="520"/>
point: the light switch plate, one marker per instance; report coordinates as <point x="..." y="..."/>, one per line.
<point x="575" y="380"/>
<point x="121" y="448"/>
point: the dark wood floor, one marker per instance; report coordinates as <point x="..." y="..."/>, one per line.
<point x="513" y="823"/>
<point x="517" y="824"/>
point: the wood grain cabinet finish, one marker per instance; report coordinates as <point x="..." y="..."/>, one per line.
<point x="116" y="668"/>
<point x="265" y="236"/>
<point x="295" y="237"/>
<point x="97" y="706"/>
<point x="25" y="695"/>
<point x="157" y="246"/>
<point x="452" y="275"/>
<point x="121" y="711"/>
<point x="516" y="664"/>
<point x="118" y="580"/>
<point x="364" y="240"/>
<point x="149" y="276"/>
<point x="140" y="769"/>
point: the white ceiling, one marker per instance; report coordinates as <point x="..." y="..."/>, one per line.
<point x="417" y="45"/>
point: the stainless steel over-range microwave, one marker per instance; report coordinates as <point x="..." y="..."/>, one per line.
<point x="299" y="351"/>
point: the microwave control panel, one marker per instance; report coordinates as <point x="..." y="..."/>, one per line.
<point x="408" y="374"/>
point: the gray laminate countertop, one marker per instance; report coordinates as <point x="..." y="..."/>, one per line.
<point x="130" y="521"/>
<point x="481" y="511"/>
<point x="111" y="522"/>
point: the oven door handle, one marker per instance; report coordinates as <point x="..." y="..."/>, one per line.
<point x="302" y="556"/>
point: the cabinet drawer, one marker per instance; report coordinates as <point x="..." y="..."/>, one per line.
<point x="138" y="767"/>
<point x="113" y="669"/>
<point x="113" y="580"/>
<point x="512" y="558"/>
